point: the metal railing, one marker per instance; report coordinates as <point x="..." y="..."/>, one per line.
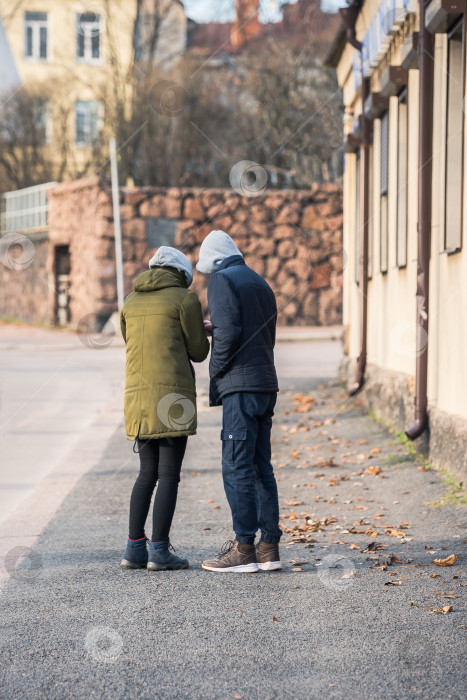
<point x="25" y="210"/>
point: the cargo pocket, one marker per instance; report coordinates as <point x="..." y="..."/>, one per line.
<point x="233" y="445"/>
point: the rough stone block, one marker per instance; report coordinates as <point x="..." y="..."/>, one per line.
<point x="321" y="276"/>
<point x="222" y="223"/>
<point x="256" y="263"/>
<point x="135" y="229"/>
<point x="312" y="220"/>
<point x="272" y="267"/>
<point x="289" y="214"/>
<point x="281" y="232"/>
<point x="300" y="267"/>
<point x="335" y="223"/>
<point x="330" y="306"/>
<point x="193" y="209"/>
<point x="286" y="249"/>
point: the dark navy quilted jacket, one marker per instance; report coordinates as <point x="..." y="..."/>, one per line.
<point x="243" y="315"/>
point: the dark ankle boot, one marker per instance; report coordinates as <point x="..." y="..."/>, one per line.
<point x="136" y="554"/>
<point x="164" y="559"/>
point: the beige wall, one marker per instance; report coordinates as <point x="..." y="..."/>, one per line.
<point x="70" y="79"/>
<point x="391" y="296"/>
<point x="447" y="378"/>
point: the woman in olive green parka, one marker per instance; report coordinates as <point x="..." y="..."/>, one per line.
<point x="162" y="325"/>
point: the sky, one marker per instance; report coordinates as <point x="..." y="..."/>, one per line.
<point x="223" y="10"/>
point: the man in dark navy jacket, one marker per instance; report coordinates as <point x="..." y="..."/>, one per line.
<point x="243" y="380"/>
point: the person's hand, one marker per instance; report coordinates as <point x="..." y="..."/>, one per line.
<point x="208" y="327"/>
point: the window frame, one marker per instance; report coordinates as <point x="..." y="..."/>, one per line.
<point x="87" y="38"/>
<point x="35" y="25"/>
<point x="448" y="249"/>
<point x="357" y="217"/>
<point x="370" y="210"/>
<point x="401" y="260"/>
<point x="88" y="122"/>
<point x="383" y="198"/>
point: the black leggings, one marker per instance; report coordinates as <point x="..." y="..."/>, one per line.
<point x="160" y="460"/>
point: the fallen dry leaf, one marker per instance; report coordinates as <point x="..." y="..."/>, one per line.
<point x="291" y="502"/>
<point x="361" y="442"/>
<point x="354" y="546"/>
<point x="395" y="533"/>
<point x="216" y="507"/>
<point x="209" y="500"/>
<point x="193" y="473"/>
<point x="375" y="450"/>
<point x="393" y="583"/>
<point x="440" y="611"/>
<point x="275" y="619"/>
<point x="297" y="568"/>
<point x="373" y="470"/>
<point x="449" y="561"/>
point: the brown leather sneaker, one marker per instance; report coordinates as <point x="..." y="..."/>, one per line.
<point x="234" y="556"/>
<point x="268" y="556"/>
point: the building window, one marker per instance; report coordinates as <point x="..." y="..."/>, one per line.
<point x="402" y="176"/>
<point x="384" y="157"/>
<point x="35" y="28"/>
<point x="454" y="140"/>
<point x="357" y="222"/>
<point x="87" y="122"/>
<point x="41" y="120"/>
<point x="88" y="36"/>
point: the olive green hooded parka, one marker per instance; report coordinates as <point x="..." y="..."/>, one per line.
<point x="162" y="325"/>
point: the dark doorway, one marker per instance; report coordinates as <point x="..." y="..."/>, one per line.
<point x="62" y="285"/>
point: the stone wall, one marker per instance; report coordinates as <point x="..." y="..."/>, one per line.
<point x="292" y="238"/>
<point x="24" y="280"/>
<point x="75" y="219"/>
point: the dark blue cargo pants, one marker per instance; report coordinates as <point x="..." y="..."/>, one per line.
<point x="249" y="481"/>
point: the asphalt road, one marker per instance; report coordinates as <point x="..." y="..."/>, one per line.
<point x="52" y="387"/>
<point x="77" y="626"/>
<point x="47" y="399"/>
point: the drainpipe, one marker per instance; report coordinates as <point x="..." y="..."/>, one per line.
<point x="349" y="16"/>
<point x="365" y="215"/>
<point x="425" y="155"/>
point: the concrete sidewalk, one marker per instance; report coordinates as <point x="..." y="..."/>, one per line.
<point x="21" y="337"/>
<point x="345" y="619"/>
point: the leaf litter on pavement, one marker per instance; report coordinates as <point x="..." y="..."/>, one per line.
<point x="311" y="443"/>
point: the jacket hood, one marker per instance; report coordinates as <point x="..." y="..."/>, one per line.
<point x="159" y="278"/>
<point x="166" y="256"/>
<point x="216" y="247"/>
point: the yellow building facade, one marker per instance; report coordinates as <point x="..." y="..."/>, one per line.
<point x="82" y="53"/>
<point x="405" y="305"/>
